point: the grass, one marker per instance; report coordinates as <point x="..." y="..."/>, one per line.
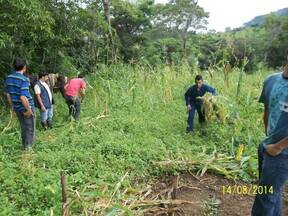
<point x="132" y="130"/>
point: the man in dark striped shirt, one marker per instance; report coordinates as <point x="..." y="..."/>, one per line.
<point x="21" y="101"/>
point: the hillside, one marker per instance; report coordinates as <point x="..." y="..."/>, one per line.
<point x="259" y="20"/>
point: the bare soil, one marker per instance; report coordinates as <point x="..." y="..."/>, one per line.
<point x="204" y="196"/>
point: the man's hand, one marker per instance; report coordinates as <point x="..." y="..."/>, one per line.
<point x="189" y="107"/>
<point x="277" y="148"/>
<point x="273" y="150"/>
<point x="82" y="94"/>
<point x="28" y="109"/>
<point x="28" y="113"/>
<point x="43" y="109"/>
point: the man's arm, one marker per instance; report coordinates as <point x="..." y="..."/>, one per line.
<point x="37" y="91"/>
<point x="277" y="148"/>
<point x="211" y="90"/>
<point x="23" y="92"/>
<point x="26" y="105"/>
<point x="39" y="100"/>
<point x="82" y="90"/>
<point x="82" y="94"/>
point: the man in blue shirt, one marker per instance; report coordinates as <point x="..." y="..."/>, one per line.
<point x="273" y="152"/>
<point x="193" y="103"/>
<point x="21" y="101"/>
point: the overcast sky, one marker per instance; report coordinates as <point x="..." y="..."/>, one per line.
<point x="233" y="13"/>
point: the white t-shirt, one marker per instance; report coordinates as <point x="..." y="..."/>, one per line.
<point x="37" y="89"/>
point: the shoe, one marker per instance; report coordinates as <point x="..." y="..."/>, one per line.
<point x="27" y="148"/>
<point x="44" y="125"/>
<point x="49" y="124"/>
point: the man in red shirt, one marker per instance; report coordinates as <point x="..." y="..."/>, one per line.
<point x="74" y="93"/>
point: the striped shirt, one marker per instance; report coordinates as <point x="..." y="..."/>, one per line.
<point x="16" y="85"/>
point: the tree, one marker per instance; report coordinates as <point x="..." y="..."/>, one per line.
<point x="183" y="17"/>
<point x="130" y="22"/>
<point x="109" y="42"/>
<point x="277" y="30"/>
<point x="24" y="26"/>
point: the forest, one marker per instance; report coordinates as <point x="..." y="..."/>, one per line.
<point x="67" y="36"/>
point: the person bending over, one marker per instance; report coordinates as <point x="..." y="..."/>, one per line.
<point x="193" y="102"/>
<point x="74" y="94"/>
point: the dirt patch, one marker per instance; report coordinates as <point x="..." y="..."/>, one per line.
<point x="202" y="196"/>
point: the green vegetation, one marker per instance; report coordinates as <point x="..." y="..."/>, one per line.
<point x="139" y="58"/>
<point x="76" y="35"/>
<point x="131" y="125"/>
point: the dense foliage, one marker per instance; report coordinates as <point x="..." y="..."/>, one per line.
<point x="67" y="36"/>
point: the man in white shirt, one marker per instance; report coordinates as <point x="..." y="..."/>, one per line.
<point x="44" y="100"/>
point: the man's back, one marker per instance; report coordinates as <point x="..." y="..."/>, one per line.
<point x="74" y="86"/>
<point x="17" y="84"/>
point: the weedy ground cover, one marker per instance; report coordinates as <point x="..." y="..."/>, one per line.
<point x="132" y="130"/>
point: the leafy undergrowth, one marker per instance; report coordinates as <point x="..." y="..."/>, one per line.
<point x="132" y="130"/>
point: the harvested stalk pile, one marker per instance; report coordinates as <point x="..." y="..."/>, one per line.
<point x="214" y="107"/>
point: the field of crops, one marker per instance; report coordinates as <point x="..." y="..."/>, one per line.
<point x="131" y="131"/>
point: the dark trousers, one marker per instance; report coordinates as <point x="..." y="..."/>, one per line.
<point x="273" y="173"/>
<point x="27" y="126"/>
<point x="191" y="115"/>
<point x="74" y="105"/>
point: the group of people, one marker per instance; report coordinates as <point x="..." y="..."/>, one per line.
<point x="273" y="150"/>
<point x="23" y="103"/>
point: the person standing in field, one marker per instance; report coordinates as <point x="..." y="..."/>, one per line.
<point x="74" y="94"/>
<point x="273" y="152"/>
<point x="44" y="100"/>
<point x="21" y="101"/>
<point x="194" y="104"/>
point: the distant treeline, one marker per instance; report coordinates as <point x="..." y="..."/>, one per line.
<point x="63" y="36"/>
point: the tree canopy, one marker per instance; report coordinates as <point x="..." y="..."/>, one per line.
<point x="65" y="36"/>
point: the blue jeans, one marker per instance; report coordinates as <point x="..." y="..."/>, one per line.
<point x="273" y="172"/>
<point x="74" y="105"/>
<point x="27" y="126"/>
<point x="47" y="115"/>
<point x="191" y="114"/>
